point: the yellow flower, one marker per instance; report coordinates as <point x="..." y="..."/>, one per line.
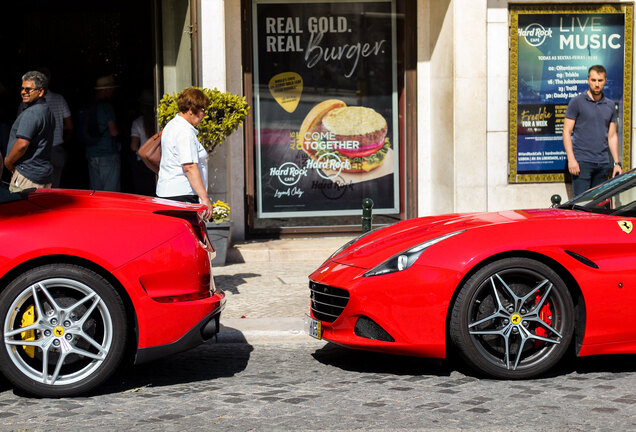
<point x="220" y="212"/>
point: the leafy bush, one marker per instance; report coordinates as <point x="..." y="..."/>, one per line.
<point x="224" y="115"/>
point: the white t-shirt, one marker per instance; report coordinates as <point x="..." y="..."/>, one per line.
<point x="179" y="146"/>
<point x="137" y="130"/>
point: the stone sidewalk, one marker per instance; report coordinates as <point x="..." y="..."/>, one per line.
<point x="268" y="295"/>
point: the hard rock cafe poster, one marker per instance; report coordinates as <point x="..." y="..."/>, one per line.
<point x="552" y="48"/>
<point x="325" y="107"/>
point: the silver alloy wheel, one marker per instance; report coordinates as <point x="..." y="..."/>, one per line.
<point x="58" y="331"/>
<point x="513" y="318"/>
<point x="518" y="326"/>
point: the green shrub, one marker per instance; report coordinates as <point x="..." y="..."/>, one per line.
<point x="224" y="115"/>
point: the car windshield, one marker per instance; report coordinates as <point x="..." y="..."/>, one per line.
<point x="616" y="196"/>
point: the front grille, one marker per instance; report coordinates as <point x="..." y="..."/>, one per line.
<point x="327" y="303"/>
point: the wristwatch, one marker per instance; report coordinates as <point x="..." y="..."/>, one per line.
<point x="617" y="163"/>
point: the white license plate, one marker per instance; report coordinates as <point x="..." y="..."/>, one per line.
<point x="314" y="328"/>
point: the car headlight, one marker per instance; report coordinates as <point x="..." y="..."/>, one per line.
<point x="405" y="259"/>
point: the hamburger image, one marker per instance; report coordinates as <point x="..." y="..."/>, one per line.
<point x="357" y="135"/>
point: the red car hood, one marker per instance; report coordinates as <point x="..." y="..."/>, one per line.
<point x="384" y="243"/>
<point x="58" y="199"/>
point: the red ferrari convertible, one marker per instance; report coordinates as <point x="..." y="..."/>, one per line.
<point x="509" y="291"/>
<point x="86" y="277"/>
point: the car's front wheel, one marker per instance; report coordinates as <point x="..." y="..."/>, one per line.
<point x="513" y="319"/>
<point x="64" y="330"/>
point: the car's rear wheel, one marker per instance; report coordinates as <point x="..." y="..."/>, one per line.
<point x="64" y="330"/>
<point x="513" y="319"/>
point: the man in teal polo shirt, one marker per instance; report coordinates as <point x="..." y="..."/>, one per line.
<point x="31" y="137"/>
<point x="589" y="135"/>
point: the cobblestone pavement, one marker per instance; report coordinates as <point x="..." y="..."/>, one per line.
<point x="298" y="384"/>
<point x="316" y="386"/>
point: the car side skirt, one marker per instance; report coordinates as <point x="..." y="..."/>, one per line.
<point x="621" y="347"/>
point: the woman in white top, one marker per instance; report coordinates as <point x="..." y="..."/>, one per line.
<point x="183" y="171"/>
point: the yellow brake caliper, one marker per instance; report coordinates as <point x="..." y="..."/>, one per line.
<point x="28" y="318"/>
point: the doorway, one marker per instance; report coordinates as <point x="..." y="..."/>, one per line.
<point x="79" y="41"/>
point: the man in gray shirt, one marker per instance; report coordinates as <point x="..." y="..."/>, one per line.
<point x="589" y="135"/>
<point x="31" y="137"/>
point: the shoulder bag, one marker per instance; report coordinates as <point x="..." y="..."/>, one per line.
<point x="150" y="152"/>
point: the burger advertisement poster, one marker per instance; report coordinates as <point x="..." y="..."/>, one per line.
<point x="325" y="107"/>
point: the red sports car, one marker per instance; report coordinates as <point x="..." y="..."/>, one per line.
<point x="87" y="277"/>
<point x="509" y="291"/>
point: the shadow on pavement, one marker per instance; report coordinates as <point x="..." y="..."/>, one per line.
<point x="603" y="364"/>
<point x="5" y="384"/>
<point x="203" y="363"/>
<point x="618" y="363"/>
<point x="570" y="364"/>
<point x="231" y="283"/>
<point x="371" y="362"/>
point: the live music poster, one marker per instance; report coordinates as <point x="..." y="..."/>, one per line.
<point x="552" y="48"/>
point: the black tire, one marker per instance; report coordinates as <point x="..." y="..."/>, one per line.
<point x="513" y="319"/>
<point x="76" y="333"/>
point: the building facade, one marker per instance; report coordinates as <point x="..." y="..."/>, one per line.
<point x="425" y="106"/>
<point x="450" y="101"/>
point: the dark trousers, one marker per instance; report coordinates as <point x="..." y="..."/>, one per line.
<point x="194" y="199"/>
<point x="592" y="174"/>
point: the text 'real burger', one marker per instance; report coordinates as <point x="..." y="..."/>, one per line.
<point x="356" y="134"/>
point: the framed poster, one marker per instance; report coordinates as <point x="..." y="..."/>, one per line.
<point x="552" y="48"/>
<point x="325" y="107"/>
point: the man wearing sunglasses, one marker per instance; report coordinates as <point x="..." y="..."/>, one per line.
<point x="29" y="151"/>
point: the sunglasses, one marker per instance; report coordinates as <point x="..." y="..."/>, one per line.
<point x="28" y="90"/>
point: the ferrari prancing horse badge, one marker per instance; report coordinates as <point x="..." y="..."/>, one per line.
<point x="626" y="226"/>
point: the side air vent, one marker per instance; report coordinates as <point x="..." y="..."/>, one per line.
<point x="582" y="259"/>
<point x="367" y="328"/>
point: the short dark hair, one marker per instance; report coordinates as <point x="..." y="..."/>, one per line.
<point x="192" y="98"/>
<point x="598" y="69"/>
<point x="39" y="79"/>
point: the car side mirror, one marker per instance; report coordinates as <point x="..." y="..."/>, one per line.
<point x="556" y="200"/>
